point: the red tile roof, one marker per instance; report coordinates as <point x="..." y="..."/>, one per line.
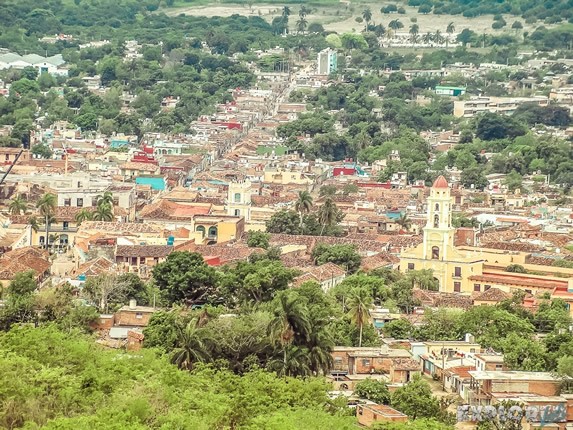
<point x="440" y="182"/>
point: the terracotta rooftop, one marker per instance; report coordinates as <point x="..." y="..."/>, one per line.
<point x="122" y="227"/>
<point x="440" y="182"/>
<point x="405" y="364"/>
<point x="515" y="279"/>
<point x="325" y="271"/>
<point x="94" y="267"/>
<point x="142" y="167"/>
<point x="166" y="209"/>
<point x="492" y="295"/>
<point x="155" y="251"/>
<point x="22" y="259"/>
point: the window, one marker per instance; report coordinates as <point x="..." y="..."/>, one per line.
<point x="138" y="315"/>
<point x="365" y="362"/>
<point x="457" y="287"/>
<point x="80" y="203"/>
<point x="116" y="201"/>
<point x="458" y="272"/>
<point x="435" y="253"/>
<point x="67" y="202"/>
<point x="7" y="157"/>
<point x="487" y="287"/>
<point x="437" y="208"/>
<point x="436" y="221"/>
<point x="477" y="287"/>
<point x="66" y="225"/>
<point x="94" y="201"/>
<point x="410" y="266"/>
<point x="237" y="197"/>
<point x="213" y="231"/>
<point x="472" y="350"/>
<point x="200" y="229"/>
<point x="499" y="367"/>
<point x="237" y="212"/>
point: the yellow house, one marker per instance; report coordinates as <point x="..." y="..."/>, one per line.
<point x="452" y="267"/>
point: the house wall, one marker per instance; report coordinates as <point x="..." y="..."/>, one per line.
<point x="367" y="417"/>
<point x="132" y="318"/>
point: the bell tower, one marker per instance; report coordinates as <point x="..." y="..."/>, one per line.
<point x="438" y="232"/>
<point x="239" y="199"/>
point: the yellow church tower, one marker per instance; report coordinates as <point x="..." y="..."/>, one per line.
<point x="451" y="267"/>
<point x="439" y="233"/>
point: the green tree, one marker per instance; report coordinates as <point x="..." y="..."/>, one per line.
<point x="373" y="390"/>
<point x="342" y="255"/>
<point x="398" y="329"/>
<point x="515" y="268"/>
<point x="521" y="353"/>
<point x="327" y="190"/>
<point x="42" y="151"/>
<point x="415" y="399"/>
<point x="184" y="276"/>
<point x="284" y="222"/>
<point x="103" y="212"/>
<point x="258" y="239"/>
<point x="328" y="214"/>
<point x="359" y="305"/>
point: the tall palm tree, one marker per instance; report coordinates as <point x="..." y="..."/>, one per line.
<point x="320" y="345"/>
<point x="359" y="304"/>
<point x="47" y="208"/>
<point x="34" y="224"/>
<point x="427" y="38"/>
<point x="327" y="214"/>
<point x="289" y="323"/>
<point x="450" y="29"/>
<point x="17" y="205"/>
<point x="84" y="215"/>
<point x="404" y="222"/>
<point x="438" y="38"/>
<point x="414" y="30"/>
<point x="103" y="212"/>
<point x="367" y="16"/>
<point x="303" y="204"/>
<point x="286" y="12"/>
<point x="303" y="11"/>
<point x="395" y="24"/>
<point x="193" y="346"/>
<point x="301" y="25"/>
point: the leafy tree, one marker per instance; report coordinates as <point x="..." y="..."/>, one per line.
<point x="43" y="151"/>
<point x="515" y="268"/>
<point x="328" y="190"/>
<point x="184" y="276"/>
<point x="258" y="239"/>
<point x="493" y="126"/>
<point x="398" y="329"/>
<point x="415" y="399"/>
<point x="342" y="255"/>
<point x="162" y="331"/>
<point x="521" y="353"/>
<point x="373" y="390"/>
<point x="285" y="222"/>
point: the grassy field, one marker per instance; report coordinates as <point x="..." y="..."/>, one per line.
<point x="340" y="16"/>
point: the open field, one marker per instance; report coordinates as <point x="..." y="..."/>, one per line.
<point x="340" y="16"/>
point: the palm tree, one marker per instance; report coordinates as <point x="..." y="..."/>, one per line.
<point x="359" y="304"/>
<point x="103" y="212"/>
<point x="193" y="346"/>
<point x="34" y="224"/>
<point x="427" y="38"/>
<point x="450" y="29"/>
<point x="17" y="205"/>
<point x="438" y="38"/>
<point x="404" y="222"/>
<point x="301" y="25"/>
<point x="47" y="208"/>
<point x="367" y="16"/>
<point x="84" y="215"/>
<point x="320" y="345"/>
<point x="105" y="199"/>
<point x="289" y="323"/>
<point x="395" y="24"/>
<point x="423" y="279"/>
<point x="303" y="204"/>
<point x="327" y="214"/>
<point x="303" y="11"/>
<point x="286" y="12"/>
<point x="295" y="362"/>
<point x="414" y="30"/>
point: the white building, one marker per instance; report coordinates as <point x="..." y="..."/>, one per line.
<point x="327" y="62"/>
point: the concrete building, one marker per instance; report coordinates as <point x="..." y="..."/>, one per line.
<point x="504" y="105"/>
<point x="327" y="62"/>
<point x="239" y="199"/>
